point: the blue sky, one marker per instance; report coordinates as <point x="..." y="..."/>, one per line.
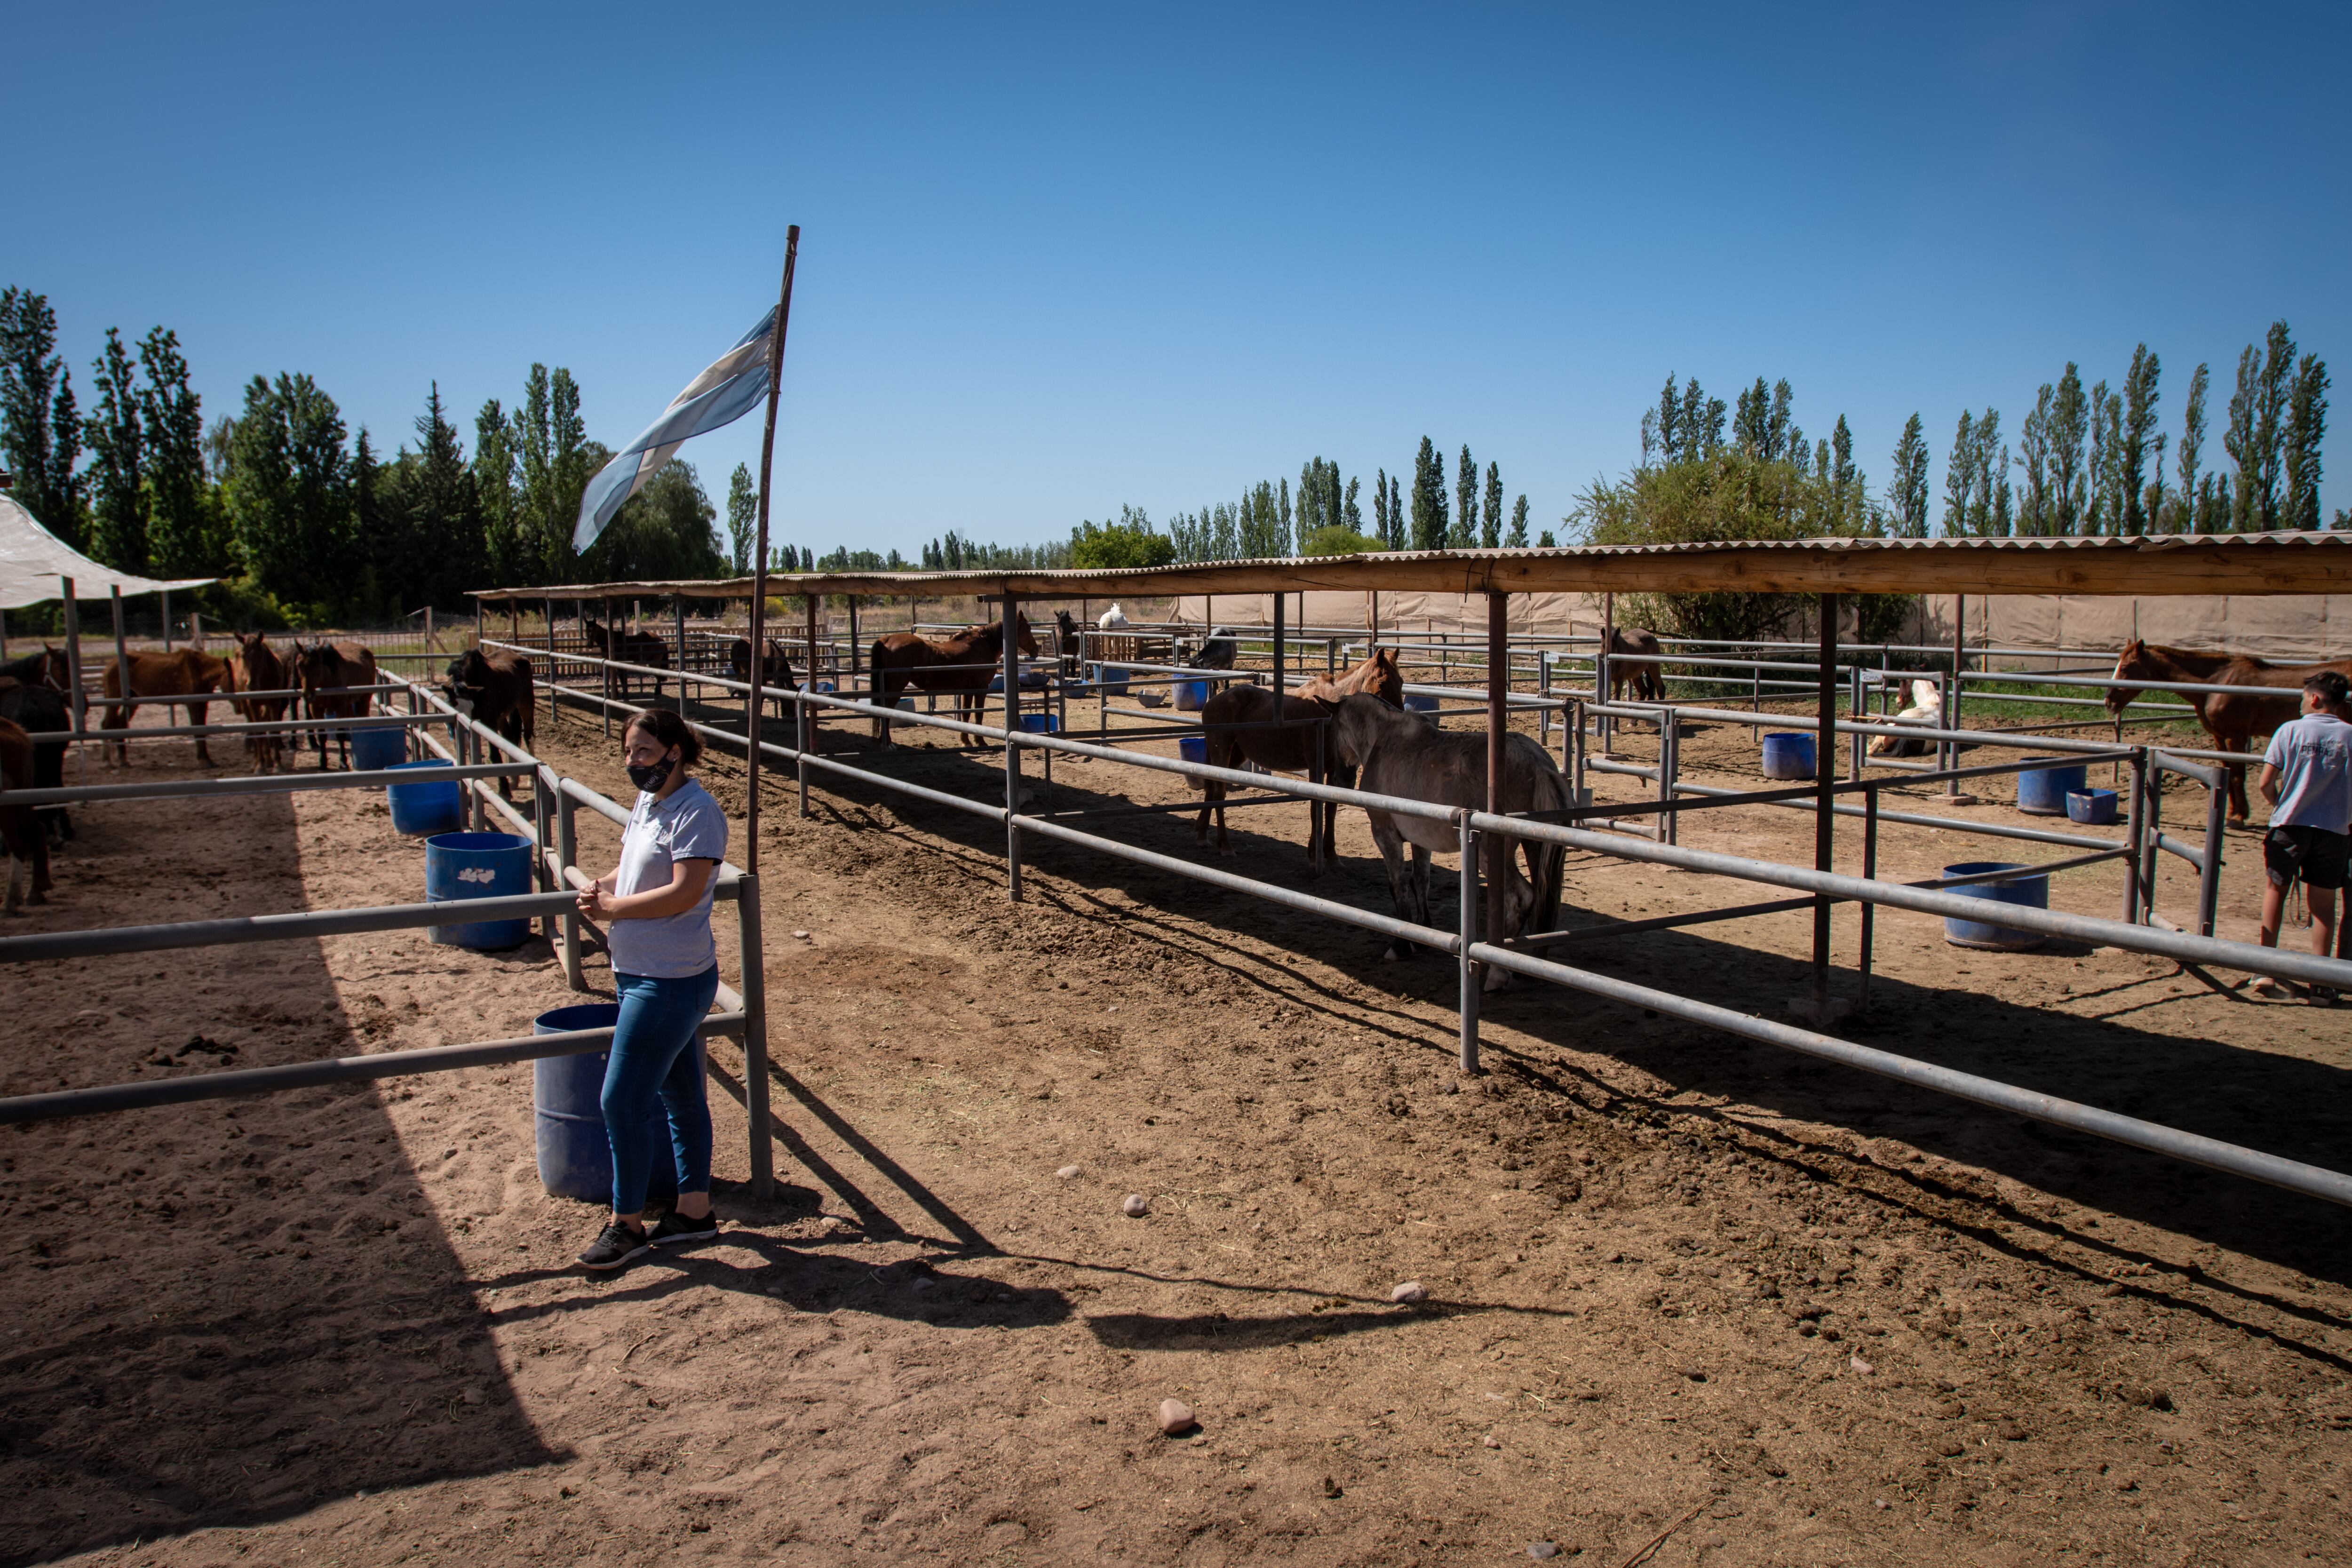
<point x="1056" y="259"/>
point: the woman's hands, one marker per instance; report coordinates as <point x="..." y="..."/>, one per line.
<point x="687" y="878"/>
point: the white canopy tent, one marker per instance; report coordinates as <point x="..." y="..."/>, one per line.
<point x="34" y="564"/>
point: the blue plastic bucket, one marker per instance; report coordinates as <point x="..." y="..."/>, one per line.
<point x="1192" y="748"/>
<point x="1041" y="723"/>
<point x="2092" y="807"/>
<point x="1417" y="702"/>
<point x="1788" y="754"/>
<point x="2030" y="891"/>
<point x="2043" y="792"/>
<point x="386" y="747"/>
<point x="575" y="1156"/>
<point x="478" y="866"/>
<point x="421" y="810"/>
<point x="1111" y="681"/>
<point x="1191" y="696"/>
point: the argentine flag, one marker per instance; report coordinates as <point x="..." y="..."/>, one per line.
<point x="729" y="389"/>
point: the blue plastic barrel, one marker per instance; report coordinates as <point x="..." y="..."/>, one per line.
<point x="575" y="1156"/>
<point x="1112" y="681"/>
<point x="2032" y="891"/>
<point x="2043" y="792"/>
<point x="478" y="866"/>
<point x="1192" y="748"/>
<point x="2092" y="807"/>
<point x="1788" y="754"/>
<point x="1418" y="703"/>
<point x="1041" y="723"/>
<point x="1191" y="696"/>
<point x="421" y="810"/>
<point x="385" y="747"/>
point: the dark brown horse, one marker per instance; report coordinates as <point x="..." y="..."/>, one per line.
<point x="626" y="646"/>
<point x="182" y="673"/>
<point x="48" y="668"/>
<point x="20" y="832"/>
<point x="1648" y="681"/>
<point x="776" y="675"/>
<point x="961" y="665"/>
<point x="262" y="670"/>
<point x="1237" y="726"/>
<point x="2232" y="720"/>
<point x="328" y="672"/>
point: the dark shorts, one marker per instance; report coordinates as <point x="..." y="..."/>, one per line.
<point x="2312" y="855"/>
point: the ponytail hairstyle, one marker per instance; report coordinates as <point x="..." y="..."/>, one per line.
<point x="667" y="728"/>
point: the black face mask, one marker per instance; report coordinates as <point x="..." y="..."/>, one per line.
<point x="651" y="777"/>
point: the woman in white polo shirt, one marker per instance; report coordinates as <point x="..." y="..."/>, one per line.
<point x="656" y="909"/>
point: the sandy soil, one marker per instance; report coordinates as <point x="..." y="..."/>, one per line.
<point x="1677" y="1283"/>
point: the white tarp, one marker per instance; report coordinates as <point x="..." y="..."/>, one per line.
<point x="32" y="559"/>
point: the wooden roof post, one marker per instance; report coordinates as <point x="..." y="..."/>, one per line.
<point x="1824" y="817"/>
<point x="1495" y="848"/>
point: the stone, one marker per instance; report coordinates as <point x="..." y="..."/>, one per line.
<point x="802" y="935"/>
<point x="1411" y="1291"/>
<point x="473" y="1395"/>
<point x="1135" y="1206"/>
<point x="1491" y="1441"/>
<point x="1068" y="1173"/>
<point x="1176" y="1416"/>
<point x="1541" y="1550"/>
<point x="1860" y="1365"/>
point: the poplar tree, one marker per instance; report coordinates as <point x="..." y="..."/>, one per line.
<point x="2036" y="508"/>
<point x="1380" y="530"/>
<point x="1959" y="477"/>
<point x="1667" y="420"/>
<point x="2307" y="424"/>
<point x="1396" y="537"/>
<point x="2256" y="429"/>
<point x="1907" y="489"/>
<point x="1428" y="497"/>
<point x="181" y="540"/>
<point x="1490" y="523"/>
<point x="40" y="426"/>
<point x="2192" y="448"/>
<point x="494" y="485"/>
<point x="2068" y="423"/>
<point x="118" y="468"/>
<point x="1463" y="534"/>
<point x="742" y="517"/>
<point x="2138" y="428"/>
<point x="1517" y="538"/>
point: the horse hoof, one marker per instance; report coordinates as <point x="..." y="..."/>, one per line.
<point x="1392" y="956"/>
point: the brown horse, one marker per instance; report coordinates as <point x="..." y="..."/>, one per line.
<point x="1235" y="725"/>
<point x="327" y="671"/>
<point x="20" y="831"/>
<point x="48" y="668"/>
<point x="262" y="670"/>
<point x="625" y="647"/>
<point x="961" y="665"/>
<point x="183" y="672"/>
<point x="2232" y="720"/>
<point x="1648" y="681"/>
<point x="776" y="677"/>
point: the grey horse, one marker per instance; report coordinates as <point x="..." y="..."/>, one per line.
<point x="1404" y="755"/>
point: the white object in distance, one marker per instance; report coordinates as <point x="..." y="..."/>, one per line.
<point x="1112" y="620"/>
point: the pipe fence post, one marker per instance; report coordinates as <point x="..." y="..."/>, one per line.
<point x="2209" y="881"/>
<point x="1499" y="692"/>
<point x="567" y="855"/>
<point x="753" y="959"/>
<point x="1469" y="887"/>
<point x="2136" y="834"/>
<point x="1869" y="874"/>
<point x="801" y="739"/>
<point x="1824" y="802"/>
<point x="122" y="669"/>
<point x="1669" y="767"/>
<point x="79" y="706"/>
<point x="1009" y="612"/>
<point x="680" y="601"/>
<point x="542" y="877"/>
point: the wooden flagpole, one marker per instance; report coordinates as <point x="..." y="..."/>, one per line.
<point x="759" y="560"/>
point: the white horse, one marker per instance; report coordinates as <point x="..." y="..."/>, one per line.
<point x="1926" y="712"/>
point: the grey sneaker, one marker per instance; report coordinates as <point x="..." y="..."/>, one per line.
<point x="675" y="1227"/>
<point x="614" y="1247"/>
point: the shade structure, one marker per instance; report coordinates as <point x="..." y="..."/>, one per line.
<point x="32" y="560"/>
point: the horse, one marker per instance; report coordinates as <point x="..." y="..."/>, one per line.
<point x="1237" y="726"/>
<point x="263" y="671"/>
<point x="20" y="833"/>
<point x="1404" y="755"/>
<point x="40" y="711"/>
<point x="1217" y="651"/>
<point x="962" y="664"/>
<point x="626" y="646"/>
<point x="776" y="675"/>
<point x="495" y="689"/>
<point x="1926" y="712"/>
<point x="2232" y="720"/>
<point x="1068" y="642"/>
<point x="1648" y="681"/>
<point x="182" y="673"/>
<point x="327" y="671"/>
<point x="48" y="668"/>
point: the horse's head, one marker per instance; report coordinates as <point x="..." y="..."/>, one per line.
<point x="54" y="670"/>
<point x="2132" y="663"/>
<point x="1066" y="626"/>
<point x="1026" y="639"/>
<point x="1357" y="723"/>
<point x="1387" y="681"/>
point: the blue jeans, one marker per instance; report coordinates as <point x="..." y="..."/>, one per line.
<point x="653" y="1054"/>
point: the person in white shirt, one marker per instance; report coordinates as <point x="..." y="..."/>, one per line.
<point x="2307" y="779"/>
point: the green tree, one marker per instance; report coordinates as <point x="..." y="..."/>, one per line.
<point x="1907" y="496"/>
<point x="494" y="485"/>
<point x="742" y="517"/>
<point x="1352" y="512"/>
<point x="1463" y="534"/>
<point x="1517" y="538"/>
<point x="443" y="522"/>
<point x="1129" y="544"/>
<point x="2306" y="425"/>
<point x="290" y="493"/>
<point x="1429" y="527"/>
<point x="551" y="454"/>
<point x="2100" y="471"/>
<point x="1959" y="477"/>
<point x="2068" y="423"/>
<point x="2254" y="436"/>
<point x="2036" y="506"/>
<point x="118" y="468"/>
<point x="2141" y="398"/>
<point x="182" y="534"/>
<point x="2186" y="516"/>
<point x="664" y="530"/>
<point x="40" y="426"/>
<point x="1381" y="530"/>
<point x="1490" y="516"/>
<point x="1396" y="537"/>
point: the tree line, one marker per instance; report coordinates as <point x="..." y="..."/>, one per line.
<point x="306" y="519"/>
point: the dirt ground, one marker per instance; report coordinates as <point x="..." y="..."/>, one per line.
<point x="1677" y="1284"/>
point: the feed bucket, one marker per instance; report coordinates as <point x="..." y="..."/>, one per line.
<point x="1192" y="748"/>
<point x="1111" y="681"/>
<point x="1788" y="754"/>
<point x="2092" y="807"/>
<point x="422" y="809"/>
<point x="478" y="866"/>
<point x="385" y="747"/>
<point x="575" y="1156"/>
<point x="1042" y="723"/>
<point x="2043" y="792"/>
<point x="2028" y="891"/>
<point x="1191" y="696"/>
